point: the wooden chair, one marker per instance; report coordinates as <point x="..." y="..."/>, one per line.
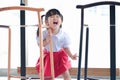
<point x="38" y="10"/>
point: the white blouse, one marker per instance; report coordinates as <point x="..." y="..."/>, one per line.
<point x="60" y="40"/>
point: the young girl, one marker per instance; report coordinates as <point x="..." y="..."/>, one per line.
<point x="61" y="46"/>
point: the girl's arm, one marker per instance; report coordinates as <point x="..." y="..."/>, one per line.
<point x="46" y="40"/>
<point x="67" y="50"/>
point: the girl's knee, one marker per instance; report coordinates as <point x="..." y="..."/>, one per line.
<point x="66" y="75"/>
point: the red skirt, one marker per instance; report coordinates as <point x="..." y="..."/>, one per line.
<point x="61" y="63"/>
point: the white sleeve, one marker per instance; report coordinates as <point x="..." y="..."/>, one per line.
<point x="43" y="37"/>
<point x="38" y="40"/>
<point x="67" y="41"/>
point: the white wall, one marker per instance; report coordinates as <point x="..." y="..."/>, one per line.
<point x="97" y="18"/>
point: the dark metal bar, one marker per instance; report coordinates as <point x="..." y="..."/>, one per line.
<point x="80" y="45"/>
<point x="112" y="35"/>
<point x="91" y="79"/>
<point x="86" y="54"/>
<point x="22" y="37"/>
<point x="112" y="44"/>
<point x="4" y="26"/>
<point x="99" y="3"/>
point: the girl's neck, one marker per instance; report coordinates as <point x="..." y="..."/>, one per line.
<point x="55" y="31"/>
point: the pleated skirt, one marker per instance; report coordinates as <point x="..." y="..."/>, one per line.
<point x="61" y="63"/>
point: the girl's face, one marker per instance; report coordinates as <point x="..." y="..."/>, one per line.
<point x="54" y="22"/>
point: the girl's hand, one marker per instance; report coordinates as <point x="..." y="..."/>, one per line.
<point x="74" y="57"/>
<point x="49" y="32"/>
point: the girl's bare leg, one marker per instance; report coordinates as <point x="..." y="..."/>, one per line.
<point x="46" y="78"/>
<point x="66" y="75"/>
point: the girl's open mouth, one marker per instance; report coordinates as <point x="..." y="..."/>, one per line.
<point x="55" y="22"/>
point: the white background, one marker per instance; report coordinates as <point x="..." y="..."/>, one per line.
<point x="97" y="19"/>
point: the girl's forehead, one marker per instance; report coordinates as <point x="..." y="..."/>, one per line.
<point x="55" y="15"/>
<point x="52" y="14"/>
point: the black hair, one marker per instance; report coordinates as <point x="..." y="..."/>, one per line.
<point x="41" y="22"/>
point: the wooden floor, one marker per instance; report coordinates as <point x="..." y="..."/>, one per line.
<point x="74" y="71"/>
<point x="95" y="73"/>
<point x="5" y="78"/>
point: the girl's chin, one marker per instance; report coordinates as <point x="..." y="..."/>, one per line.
<point x="55" y="26"/>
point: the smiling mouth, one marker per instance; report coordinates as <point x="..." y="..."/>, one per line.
<point x="55" y="22"/>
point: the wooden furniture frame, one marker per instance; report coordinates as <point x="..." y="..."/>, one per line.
<point x="38" y="10"/>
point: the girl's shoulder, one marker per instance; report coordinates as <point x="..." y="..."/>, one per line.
<point x="62" y="33"/>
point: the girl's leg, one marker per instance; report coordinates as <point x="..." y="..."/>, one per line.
<point x="66" y="75"/>
<point x="46" y="78"/>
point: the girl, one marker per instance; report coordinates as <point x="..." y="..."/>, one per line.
<point x="61" y="43"/>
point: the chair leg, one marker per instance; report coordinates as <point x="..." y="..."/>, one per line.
<point x="41" y="48"/>
<point x="51" y="57"/>
<point x="9" y="52"/>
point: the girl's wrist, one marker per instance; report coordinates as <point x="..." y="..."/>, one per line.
<point x="71" y="55"/>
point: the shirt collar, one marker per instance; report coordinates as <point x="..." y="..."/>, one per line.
<point x="59" y="33"/>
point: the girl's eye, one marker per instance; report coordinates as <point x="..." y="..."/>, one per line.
<point x="57" y="16"/>
<point x="51" y="17"/>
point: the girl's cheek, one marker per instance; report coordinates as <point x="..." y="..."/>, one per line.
<point x="50" y="21"/>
